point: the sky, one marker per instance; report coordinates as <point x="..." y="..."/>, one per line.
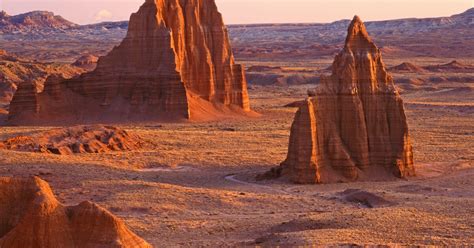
<point x="253" y="11"/>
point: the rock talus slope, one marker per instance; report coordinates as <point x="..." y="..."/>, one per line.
<point x="30" y="216"/>
<point x="355" y="127"/>
<point x="174" y="51"/>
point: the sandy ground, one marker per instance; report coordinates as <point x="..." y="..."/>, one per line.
<point x="194" y="184"/>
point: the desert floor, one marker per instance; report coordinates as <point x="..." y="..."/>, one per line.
<point x="194" y="183"/>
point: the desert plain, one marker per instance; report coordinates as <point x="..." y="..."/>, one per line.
<point x="194" y="183"/>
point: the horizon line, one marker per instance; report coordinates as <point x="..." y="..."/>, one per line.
<point x="249" y="23"/>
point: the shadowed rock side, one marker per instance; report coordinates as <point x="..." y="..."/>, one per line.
<point x="31" y="216"/>
<point x="355" y="127"/>
<point x="73" y="140"/>
<point x="174" y="50"/>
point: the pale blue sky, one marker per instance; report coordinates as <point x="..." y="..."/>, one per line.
<point x="253" y="11"/>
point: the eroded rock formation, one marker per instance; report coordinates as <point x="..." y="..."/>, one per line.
<point x="14" y="71"/>
<point x="87" y="62"/>
<point x="174" y="52"/>
<point x="31" y="216"/>
<point x="73" y="140"/>
<point x="355" y="127"/>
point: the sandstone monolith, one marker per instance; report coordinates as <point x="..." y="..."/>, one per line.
<point x="354" y="127"/>
<point x="175" y="59"/>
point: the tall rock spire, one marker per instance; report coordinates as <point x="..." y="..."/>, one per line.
<point x="357" y="36"/>
<point x="175" y="51"/>
<point x="355" y="127"/>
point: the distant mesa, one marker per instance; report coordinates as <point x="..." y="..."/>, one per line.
<point x="407" y="67"/>
<point x="31" y="21"/>
<point x="355" y="127"/>
<point x="76" y="140"/>
<point x="31" y="216"/>
<point x="453" y="66"/>
<point x="175" y="63"/>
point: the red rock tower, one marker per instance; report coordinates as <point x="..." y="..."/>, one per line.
<point x="355" y="127"/>
<point x="175" y="51"/>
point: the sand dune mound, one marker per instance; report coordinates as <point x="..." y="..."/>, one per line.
<point x="79" y="139"/>
<point x="31" y="216"/>
<point x="407" y="67"/>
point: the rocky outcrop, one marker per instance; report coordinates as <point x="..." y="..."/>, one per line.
<point x="15" y="71"/>
<point x="355" y="127"/>
<point x="87" y="62"/>
<point x="407" y="67"/>
<point x="31" y="216"/>
<point x="364" y="198"/>
<point x="25" y="101"/>
<point x="174" y="51"/>
<point x="73" y="140"/>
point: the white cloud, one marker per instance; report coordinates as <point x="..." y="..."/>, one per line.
<point x="103" y="15"/>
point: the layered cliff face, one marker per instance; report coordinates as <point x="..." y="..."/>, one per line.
<point x="355" y="127"/>
<point x="174" y="51"/>
<point x="30" y="216"/>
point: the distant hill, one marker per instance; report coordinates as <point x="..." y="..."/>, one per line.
<point x="33" y="21"/>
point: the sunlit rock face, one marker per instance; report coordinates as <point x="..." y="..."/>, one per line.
<point x="175" y="51"/>
<point x="31" y="216"/>
<point x="355" y="127"/>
